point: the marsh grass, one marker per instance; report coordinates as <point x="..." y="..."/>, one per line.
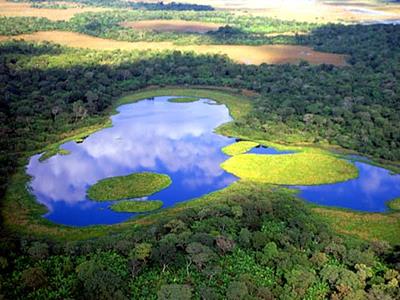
<point x="394" y="205"/>
<point x="183" y="99"/>
<point x="367" y="226"/>
<point x="132" y="186"/>
<point x="239" y="148"/>
<point x="136" y="206"/>
<point x="295" y="169"/>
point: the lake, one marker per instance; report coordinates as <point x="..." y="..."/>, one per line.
<point x="177" y="139"/>
<point x="151" y="135"/>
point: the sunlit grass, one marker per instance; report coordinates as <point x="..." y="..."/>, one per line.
<point x="132" y="186"/>
<point x="367" y="226"/>
<point x="239" y="148"/>
<point x="136" y="206"/>
<point x="295" y="169"/>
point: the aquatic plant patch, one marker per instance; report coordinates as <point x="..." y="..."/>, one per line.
<point x="294" y="169"/>
<point x="183" y="99"/>
<point x="239" y="148"/>
<point x="132" y="186"/>
<point x="394" y="204"/>
<point x="134" y="206"/>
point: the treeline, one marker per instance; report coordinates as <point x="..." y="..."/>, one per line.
<point x="170" y="6"/>
<point x="127" y="4"/>
<point x="21" y="25"/>
<point x="256" y="242"/>
<point x="234" y="29"/>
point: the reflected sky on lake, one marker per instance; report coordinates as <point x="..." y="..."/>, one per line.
<point x="369" y="192"/>
<point x="152" y="135"/>
<point x="175" y="139"/>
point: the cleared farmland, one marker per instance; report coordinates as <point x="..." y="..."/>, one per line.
<point x="272" y="54"/>
<point x="12" y="9"/>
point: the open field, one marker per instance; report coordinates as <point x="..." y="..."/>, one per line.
<point x="173" y="25"/>
<point x="312" y="11"/>
<point x="271" y="54"/>
<point x="11" y="9"/>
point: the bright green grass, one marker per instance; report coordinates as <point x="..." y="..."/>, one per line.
<point x="183" y="100"/>
<point x="136" y="206"/>
<point x="394" y="204"/>
<point x="132" y="186"/>
<point x="239" y="148"/>
<point x="295" y="169"/>
<point x="64" y="152"/>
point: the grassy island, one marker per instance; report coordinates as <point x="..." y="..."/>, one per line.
<point x="132" y="186"/>
<point x="136" y="206"/>
<point x="394" y="204"/>
<point x="295" y="169"/>
<point x="239" y="148"/>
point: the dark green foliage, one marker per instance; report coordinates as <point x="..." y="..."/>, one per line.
<point x="189" y="262"/>
<point x="103" y="276"/>
<point x="20" y="25"/>
<point x="170" y="6"/>
<point x="175" y="291"/>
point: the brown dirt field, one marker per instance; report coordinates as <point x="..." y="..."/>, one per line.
<point x="307" y="11"/>
<point x="10" y="9"/>
<point x="272" y="54"/>
<point x="173" y="25"/>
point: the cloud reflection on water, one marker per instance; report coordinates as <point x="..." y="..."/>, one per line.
<point x="159" y="136"/>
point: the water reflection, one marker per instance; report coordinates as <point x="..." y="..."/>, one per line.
<point x="172" y="138"/>
<point x="268" y="150"/>
<point x="374" y="187"/>
<point x="176" y="139"/>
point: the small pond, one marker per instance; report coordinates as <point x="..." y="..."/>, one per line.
<point x="177" y="139"/>
<point x="268" y="150"/>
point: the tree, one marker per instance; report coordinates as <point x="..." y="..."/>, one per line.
<point x="175" y="291"/>
<point x="79" y="110"/>
<point x="237" y="291"/>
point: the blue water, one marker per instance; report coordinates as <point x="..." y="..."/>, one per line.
<point x="268" y="150"/>
<point x="177" y="139"/>
<point x="152" y="135"/>
<point x="369" y="192"/>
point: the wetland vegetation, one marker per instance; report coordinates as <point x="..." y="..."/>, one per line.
<point x="250" y="239"/>
<point x="293" y="169"/>
<point x="239" y="147"/>
<point x="135" y="206"/>
<point x="131" y="186"/>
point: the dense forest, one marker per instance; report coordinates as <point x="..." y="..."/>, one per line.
<point x="255" y="242"/>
